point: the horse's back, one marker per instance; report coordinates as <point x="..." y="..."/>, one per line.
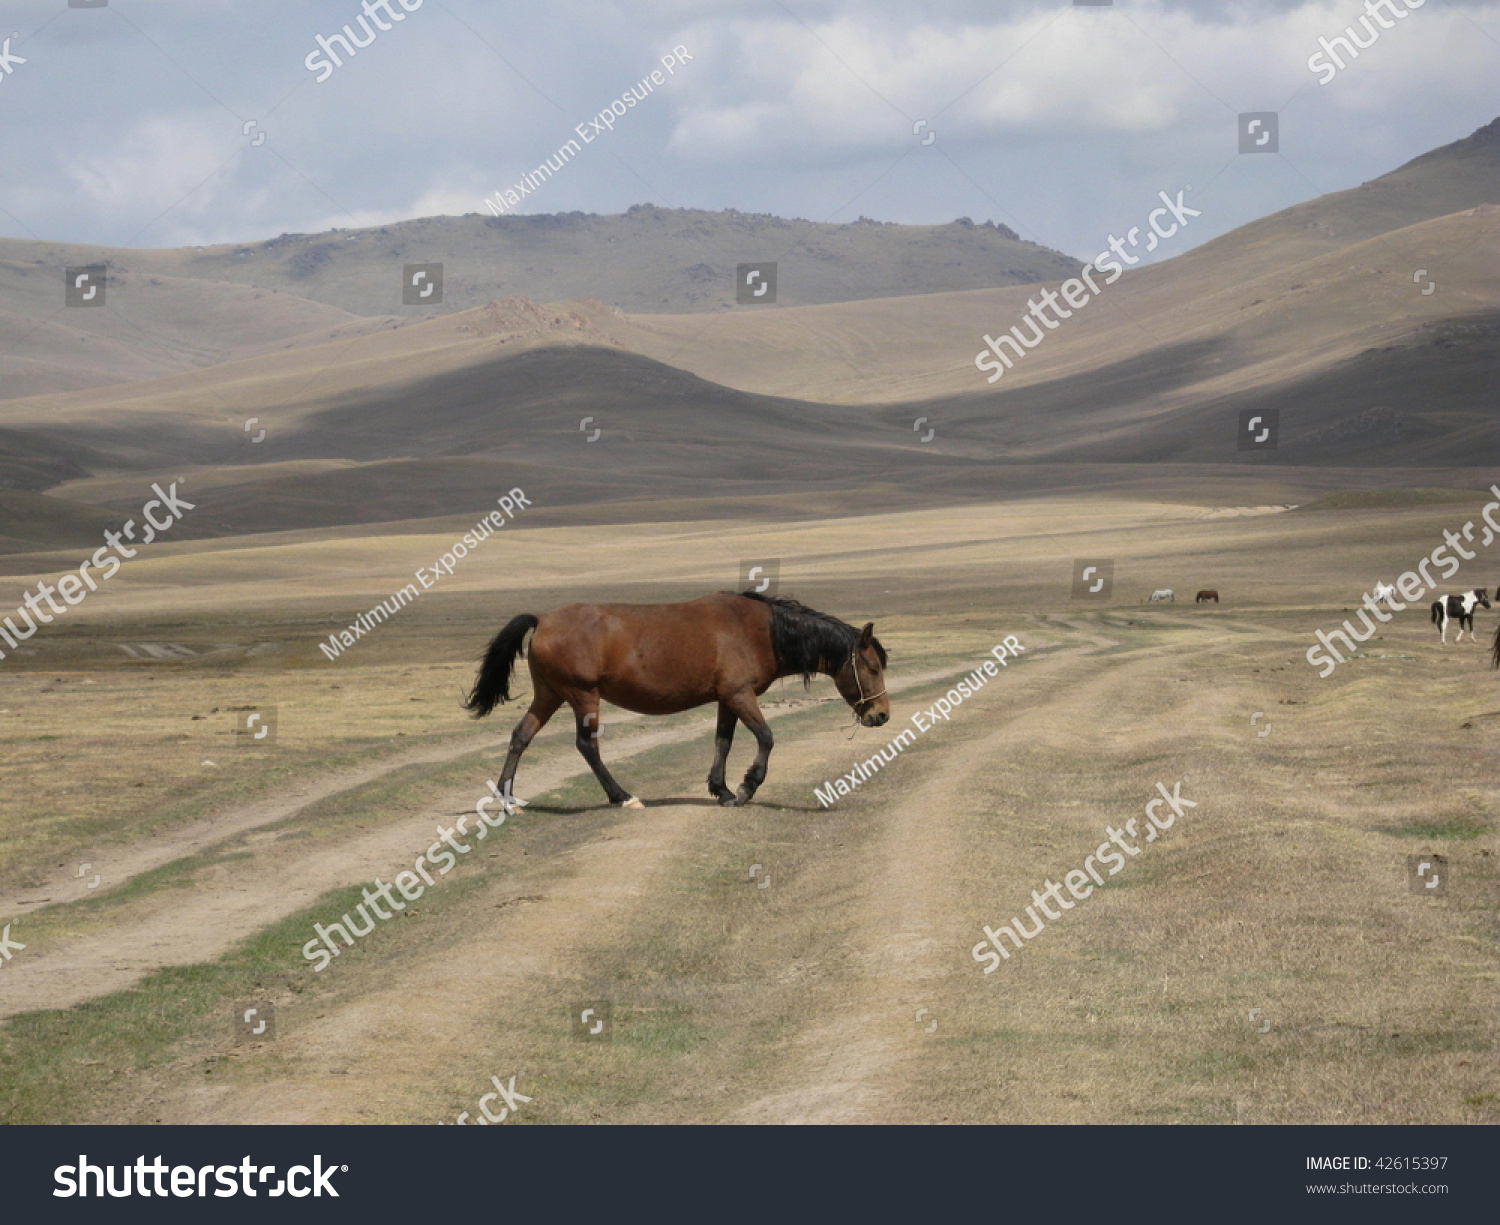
<point x="652" y="658"/>
<point x="601" y="630"/>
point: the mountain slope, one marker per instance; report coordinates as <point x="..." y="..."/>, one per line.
<point x="170" y="310"/>
<point x="1326" y="308"/>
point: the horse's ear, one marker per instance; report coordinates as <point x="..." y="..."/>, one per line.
<point x="866" y="634"/>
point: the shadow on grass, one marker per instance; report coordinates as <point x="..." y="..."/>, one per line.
<point x="559" y="810"/>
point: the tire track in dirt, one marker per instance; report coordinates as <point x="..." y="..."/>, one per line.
<point x="128" y="862"/>
<point x="228" y="904"/>
<point x="867" y="1059"/>
<point x="391" y="1042"/>
<point x="394" y="1039"/>
<point x="859" y="1065"/>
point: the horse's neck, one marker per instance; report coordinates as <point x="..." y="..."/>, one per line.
<point x="823" y="669"/>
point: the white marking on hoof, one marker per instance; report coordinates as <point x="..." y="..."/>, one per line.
<point x="632" y="802"/>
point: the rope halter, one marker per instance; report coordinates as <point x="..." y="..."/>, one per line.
<point x="859" y="684"/>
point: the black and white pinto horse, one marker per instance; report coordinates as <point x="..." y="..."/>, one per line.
<point x="1458" y="608"/>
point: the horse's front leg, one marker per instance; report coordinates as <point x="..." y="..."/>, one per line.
<point x="723" y="738"/>
<point x="744" y="706"/>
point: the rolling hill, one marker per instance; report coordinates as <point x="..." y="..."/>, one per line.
<point x="802" y="408"/>
<point x="170" y="310"/>
<point x="1317" y="282"/>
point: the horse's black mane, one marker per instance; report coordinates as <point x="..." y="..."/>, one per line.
<point x="806" y="641"/>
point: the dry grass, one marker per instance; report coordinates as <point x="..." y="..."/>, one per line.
<point x="1284" y="891"/>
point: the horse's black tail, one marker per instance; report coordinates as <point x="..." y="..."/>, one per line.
<point x="1495" y="654"/>
<point x="492" y="685"/>
<point x="1437" y="614"/>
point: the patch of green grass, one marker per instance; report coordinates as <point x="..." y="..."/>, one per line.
<point x="60" y="1065"/>
<point x="1126" y="880"/>
<point x="1211" y="1065"/>
<point x="1093" y="1036"/>
<point x="400" y="789"/>
<point x="1214" y="1110"/>
<point x="189" y="800"/>
<point x="1432" y="1042"/>
<point x="1455" y="828"/>
<point x="667" y="1029"/>
<point x="56" y="1065"/>
<point x="1118" y="956"/>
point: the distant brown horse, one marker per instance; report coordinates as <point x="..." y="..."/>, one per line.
<point x="1206" y="595"/>
<point x="659" y="659"/>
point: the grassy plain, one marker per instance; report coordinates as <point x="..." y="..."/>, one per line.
<point x="1263" y="962"/>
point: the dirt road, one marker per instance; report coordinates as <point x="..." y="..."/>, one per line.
<point x="844" y="990"/>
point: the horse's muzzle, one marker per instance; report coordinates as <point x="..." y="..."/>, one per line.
<point x="875" y="718"/>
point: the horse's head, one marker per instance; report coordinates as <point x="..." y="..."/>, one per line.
<point x="1484" y="600"/>
<point x="861" y="681"/>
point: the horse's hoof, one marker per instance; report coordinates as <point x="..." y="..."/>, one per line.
<point x="631" y="802"/>
<point x="728" y="801"/>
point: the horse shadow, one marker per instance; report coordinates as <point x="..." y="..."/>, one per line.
<point x="574" y="810"/>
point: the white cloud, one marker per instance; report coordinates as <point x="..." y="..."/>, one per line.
<point x="1053" y="118"/>
<point x="159" y="163"/>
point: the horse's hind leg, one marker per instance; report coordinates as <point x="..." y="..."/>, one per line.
<point x="544" y="704"/>
<point x="723" y="738"/>
<point x="747" y="709"/>
<point x="586" y="710"/>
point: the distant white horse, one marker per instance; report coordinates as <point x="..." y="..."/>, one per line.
<point x="1164" y="594"/>
<point x="1384" y="591"/>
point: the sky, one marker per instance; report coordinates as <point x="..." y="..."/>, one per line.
<point x="164" y="123"/>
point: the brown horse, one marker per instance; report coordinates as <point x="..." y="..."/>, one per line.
<point x="1206" y="595"/>
<point x="659" y="659"/>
